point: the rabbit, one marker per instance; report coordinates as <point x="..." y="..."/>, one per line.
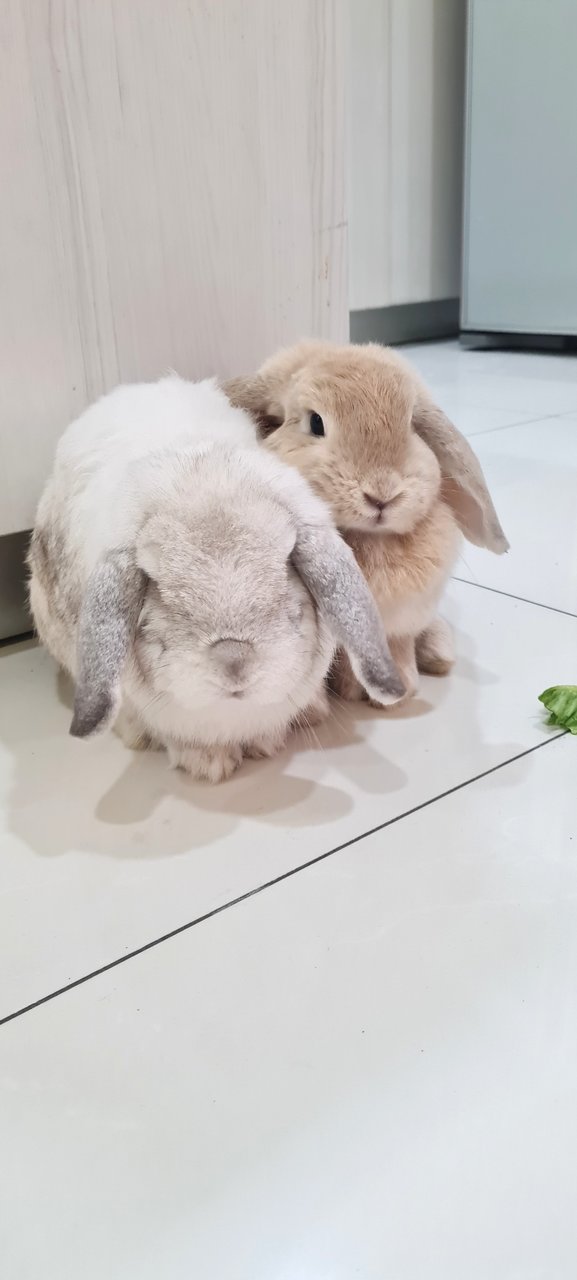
<point x="402" y="483"/>
<point x="193" y="586"/>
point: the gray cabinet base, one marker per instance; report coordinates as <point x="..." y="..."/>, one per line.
<point x="485" y="340"/>
<point x="409" y="322"/>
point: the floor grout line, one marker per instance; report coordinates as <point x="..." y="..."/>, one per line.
<point x="566" y="613"/>
<point x="269" y="884"/>
<point x="523" y="422"/>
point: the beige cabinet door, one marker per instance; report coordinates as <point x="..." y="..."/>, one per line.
<point x="172" y="197"/>
<point x="407" y="66"/>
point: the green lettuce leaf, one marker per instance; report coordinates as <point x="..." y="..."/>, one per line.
<point x="561" y="703"/>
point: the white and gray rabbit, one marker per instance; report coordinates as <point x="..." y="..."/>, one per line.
<point x="192" y="585"/>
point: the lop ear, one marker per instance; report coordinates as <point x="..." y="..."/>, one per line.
<point x="329" y="570"/>
<point x="464" y="485"/>
<point x="255" y="396"/>
<point x="106" y="627"/>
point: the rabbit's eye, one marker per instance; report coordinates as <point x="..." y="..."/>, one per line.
<point x="317" y="425"/>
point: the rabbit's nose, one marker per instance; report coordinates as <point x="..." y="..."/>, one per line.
<point x="232" y="657"/>
<point x="377" y="503"/>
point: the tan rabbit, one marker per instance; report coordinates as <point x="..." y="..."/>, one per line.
<point x="402" y="482"/>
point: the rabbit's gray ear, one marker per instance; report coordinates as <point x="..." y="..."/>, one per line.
<point x="464" y="485"/>
<point x="329" y="570"/>
<point x="106" y="627"/>
<point x="254" y="395"/>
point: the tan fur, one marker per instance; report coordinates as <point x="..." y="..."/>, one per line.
<point x="385" y="442"/>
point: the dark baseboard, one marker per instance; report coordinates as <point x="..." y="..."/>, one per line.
<point x="412" y="322"/>
<point x="487" y="340"/>
<point x="14" y="616"/>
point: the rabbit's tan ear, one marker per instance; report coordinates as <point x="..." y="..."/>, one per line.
<point x="464" y="485"/>
<point x="254" y="394"/>
<point x="106" y="627"/>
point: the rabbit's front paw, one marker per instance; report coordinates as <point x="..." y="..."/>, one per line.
<point x="207" y="764"/>
<point x="436" y="649"/>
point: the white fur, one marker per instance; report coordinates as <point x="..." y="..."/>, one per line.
<point x="125" y="428"/>
<point x="156" y="471"/>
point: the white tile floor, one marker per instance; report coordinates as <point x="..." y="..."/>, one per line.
<point x="364" y="1066"/>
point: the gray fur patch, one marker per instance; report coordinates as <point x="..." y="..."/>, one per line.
<point x="49" y="562"/>
<point x="108" y="620"/>
<point x="328" y="568"/>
